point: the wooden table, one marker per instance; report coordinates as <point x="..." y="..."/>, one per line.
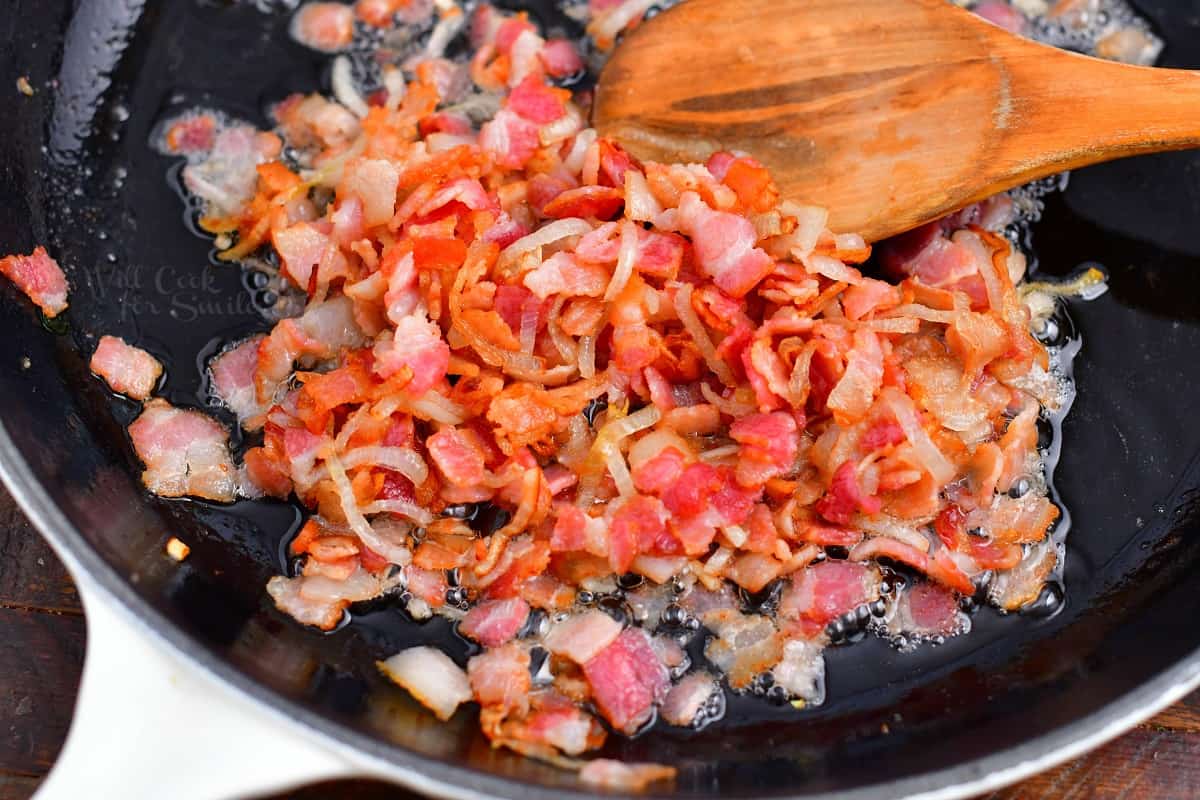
<point x="41" y="655"/>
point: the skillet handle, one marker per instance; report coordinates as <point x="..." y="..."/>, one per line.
<point x="148" y="726"/>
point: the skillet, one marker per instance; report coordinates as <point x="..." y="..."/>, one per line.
<point x="1020" y="693"/>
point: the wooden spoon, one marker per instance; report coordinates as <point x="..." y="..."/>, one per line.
<point x="889" y="113"/>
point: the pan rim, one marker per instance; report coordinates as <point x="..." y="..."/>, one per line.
<point x="436" y="778"/>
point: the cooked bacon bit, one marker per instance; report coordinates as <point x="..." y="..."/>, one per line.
<point x="769" y="446"/>
<point x="495" y="622"/>
<point x="500" y="676"/>
<point x="327" y="27"/>
<point x="26" y="88"/>
<point x="582" y="636"/>
<point x="724" y="246"/>
<point x="185" y="453"/>
<point x="127" y="370"/>
<point x="823" y="592"/>
<point x="624" y="776"/>
<point x="657" y="369"/>
<point x="431" y="677"/>
<point x="40" y="278"/>
<point x="232" y="375"/>
<point x="627" y="680"/>
<point x="685" y="704"/>
<point x="177" y="549"/>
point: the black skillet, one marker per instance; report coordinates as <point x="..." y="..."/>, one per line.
<point x="1020" y="693"/>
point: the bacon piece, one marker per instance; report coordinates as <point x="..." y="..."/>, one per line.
<point x="770" y="443"/>
<point x="627" y="680"/>
<point x="940" y="567"/>
<point x="928" y="609"/>
<point x="128" y="370"/>
<point x="321" y="601"/>
<point x="328" y="27"/>
<point x="623" y="776"/>
<point x="823" y="592"/>
<point x="581" y="637"/>
<point x="185" y="453"/>
<point x="458" y="459"/>
<point x="495" y="622"/>
<point x="687" y="701"/>
<point x="417" y="345"/>
<point x="724" y="246"/>
<point x="588" y="202"/>
<point x="846" y="497"/>
<point x="746" y="645"/>
<point x="560" y="58"/>
<point x="563" y="274"/>
<point x="510" y="139"/>
<point x="660" y="473"/>
<point x="374" y="182"/>
<point x="561" y="725"/>
<point x="639" y="526"/>
<point x="537" y="102"/>
<point x="40" y="278"/>
<point x="232" y="378"/>
<point x="431" y="677"/>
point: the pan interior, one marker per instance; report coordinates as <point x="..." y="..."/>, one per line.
<point x="78" y="176"/>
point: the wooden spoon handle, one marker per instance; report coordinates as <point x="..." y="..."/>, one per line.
<point x="1083" y="111"/>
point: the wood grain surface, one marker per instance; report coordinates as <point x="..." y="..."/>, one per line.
<point x="41" y="654"/>
<point x="889" y="113"/>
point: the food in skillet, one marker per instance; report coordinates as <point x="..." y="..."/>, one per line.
<point x="594" y="409"/>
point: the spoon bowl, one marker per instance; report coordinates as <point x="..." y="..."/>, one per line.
<point x="888" y="112"/>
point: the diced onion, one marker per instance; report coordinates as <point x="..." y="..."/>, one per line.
<point x="573" y="161"/>
<point x="435" y="407"/>
<point x="810" y="223"/>
<point x="393" y="82"/>
<point x="653" y="443"/>
<point x="926" y="451"/>
<point x="718" y="561"/>
<point x="587" y="357"/>
<point x="344" y="90"/>
<point x="358" y="523"/>
<point x="607" y="441"/>
<point x="695" y="328"/>
<point x="730" y="406"/>
<point x="619" y="472"/>
<point x="547" y="234"/>
<point x="401" y="507"/>
<point x="640" y="204"/>
<point x="626" y="256"/>
<point x="926" y="313"/>
<point x="566" y="125"/>
<point x="401" y="459"/>
<point x="529" y="320"/>
<point x="720" y="453"/>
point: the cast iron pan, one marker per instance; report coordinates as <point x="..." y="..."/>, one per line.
<point x="76" y="174"/>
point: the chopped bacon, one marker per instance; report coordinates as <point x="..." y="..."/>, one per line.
<point x="823" y="592"/>
<point x="685" y="704"/>
<point x="456" y="456"/>
<point x="724" y="246"/>
<point x="769" y="442"/>
<point x="581" y="637"/>
<point x="560" y="58"/>
<point x="232" y="373"/>
<point x="627" y="680"/>
<point x="40" y="278"/>
<point x="431" y="677"/>
<point x="128" y="370"/>
<point x="500" y="676"/>
<point x="327" y="27"/>
<point x="416" y="346"/>
<point x="185" y="453"/>
<point x="494" y="622"/>
<point x="615" y="369"/>
<point x="537" y="102"/>
<point x="623" y="776"/>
